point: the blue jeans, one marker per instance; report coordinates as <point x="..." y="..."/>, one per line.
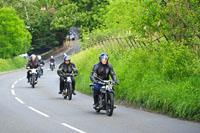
<point x="96" y="89"/>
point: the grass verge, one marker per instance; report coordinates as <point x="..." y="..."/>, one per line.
<point x="12" y="63"/>
<point x="162" y="77"/>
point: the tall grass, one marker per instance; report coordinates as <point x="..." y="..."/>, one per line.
<point x="12" y="64"/>
<point x="162" y="77"/>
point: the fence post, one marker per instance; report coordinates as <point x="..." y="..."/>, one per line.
<point x="158" y="40"/>
<point x="135" y="43"/>
<point x="144" y="44"/>
<point x="128" y="43"/>
<point x="121" y="41"/>
<point x="140" y="44"/>
<point x="118" y="41"/>
<point x="131" y="42"/>
<point x="165" y="37"/>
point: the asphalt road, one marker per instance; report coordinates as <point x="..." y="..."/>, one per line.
<point x="40" y="110"/>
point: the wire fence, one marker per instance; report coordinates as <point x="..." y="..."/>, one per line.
<point x="133" y="43"/>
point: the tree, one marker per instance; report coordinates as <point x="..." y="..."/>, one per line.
<point x="44" y="38"/>
<point x="14" y="37"/>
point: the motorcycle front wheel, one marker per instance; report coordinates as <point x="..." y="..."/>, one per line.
<point x="69" y="91"/>
<point x="33" y="82"/>
<point x="110" y="104"/>
<point x="65" y="94"/>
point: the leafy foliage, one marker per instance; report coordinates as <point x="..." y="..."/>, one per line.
<point x="15" y="39"/>
<point x="43" y="37"/>
<point x="148" y="19"/>
<point x="50" y="27"/>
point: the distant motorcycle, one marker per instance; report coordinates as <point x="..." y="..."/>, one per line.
<point x="106" y="96"/>
<point x="33" y="77"/>
<point x="67" y="92"/>
<point x="52" y="66"/>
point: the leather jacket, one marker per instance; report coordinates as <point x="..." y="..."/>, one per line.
<point x="67" y="68"/>
<point x="33" y="64"/>
<point x="102" y="71"/>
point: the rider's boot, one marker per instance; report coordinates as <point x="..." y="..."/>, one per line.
<point x="28" y="80"/>
<point x="95" y="105"/>
<point x="60" y="92"/>
<point x="73" y="92"/>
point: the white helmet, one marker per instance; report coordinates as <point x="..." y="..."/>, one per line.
<point x="33" y="56"/>
<point x="39" y="57"/>
<point x="51" y="56"/>
<point x="65" y="54"/>
<point x="67" y="58"/>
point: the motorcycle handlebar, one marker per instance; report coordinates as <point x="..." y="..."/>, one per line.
<point x="69" y="74"/>
<point x="105" y="82"/>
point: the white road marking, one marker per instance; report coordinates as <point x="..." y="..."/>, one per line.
<point x="13" y="92"/>
<point x="13" y="86"/>
<point x="37" y="111"/>
<point x="19" y="100"/>
<point x="73" y="128"/>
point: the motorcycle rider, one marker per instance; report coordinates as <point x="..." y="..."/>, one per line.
<point x="41" y="63"/>
<point x="67" y="67"/>
<point x="32" y="64"/>
<point x="101" y="70"/>
<point x="52" y="60"/>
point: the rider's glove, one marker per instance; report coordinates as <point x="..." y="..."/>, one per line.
<point x="95" y="82"/>
<point x="75" y="74"/>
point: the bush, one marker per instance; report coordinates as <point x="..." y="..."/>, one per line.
<point x="162" y="77"/>
<point x="12" y="64"/>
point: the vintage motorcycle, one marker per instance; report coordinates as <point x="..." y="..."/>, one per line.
<point x="67" y="92"/>
<point x="106" y="96"/>
<point x="33" y="77"/>
<point x="52" y="66"/>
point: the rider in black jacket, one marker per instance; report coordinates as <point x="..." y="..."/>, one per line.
<point x="33" y="63"/>
<point x="41" y="64"/>
<point x="101" y="70"/>
<point x="67" y="67"/>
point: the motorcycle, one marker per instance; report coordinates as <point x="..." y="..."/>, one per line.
<point x="67" y="92"/>
<point x="41" y="70"/>
<point x="106" y="96"/>
<point x="33" y="77"/>
<point x="52" y="66"/>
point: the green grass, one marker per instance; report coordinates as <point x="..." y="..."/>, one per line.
<point x="12" y="64"/>
<point x="162" y="77"/>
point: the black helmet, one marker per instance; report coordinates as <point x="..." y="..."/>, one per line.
<point x="67" y="58"/>
<point x="103" y="56"/>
